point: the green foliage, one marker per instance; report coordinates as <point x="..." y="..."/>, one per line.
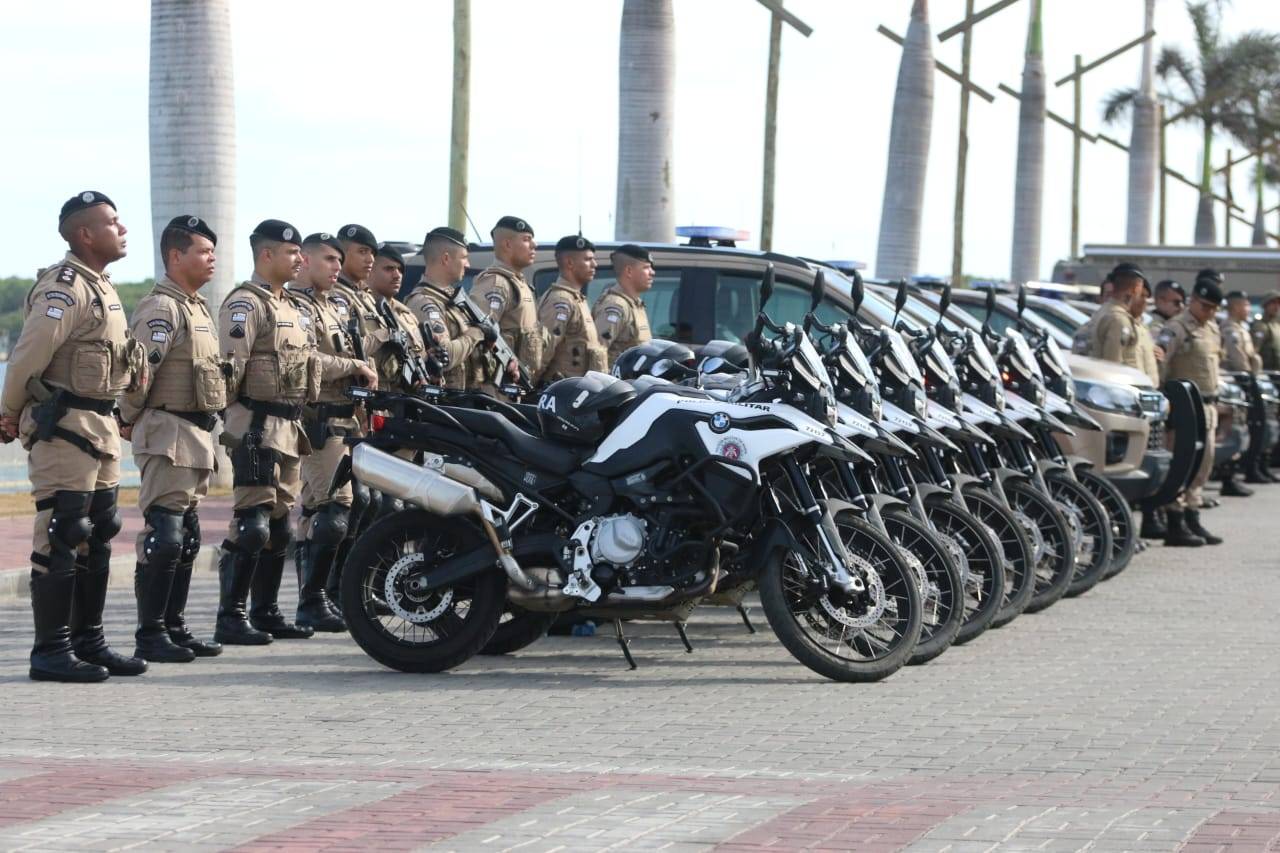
<point x="13" y="294"/>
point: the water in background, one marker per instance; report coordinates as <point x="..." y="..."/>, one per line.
<point x="13" y="462"/>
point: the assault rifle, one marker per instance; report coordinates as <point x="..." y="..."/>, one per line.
<point x="413" y="369"/>
<point x="504" y="353"/>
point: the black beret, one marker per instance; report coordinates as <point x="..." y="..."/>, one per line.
<point x="1170" y="284"/>
<point x="1237" y="294"/>
<point x="77" y="203"/>
<point x="631" y="250"/>
<point x="386" y="250"/>
<point x="575" y="243"/>
<point x="1208" y="290"/>
<point x="513" y="223"/>
<point x="1127" y="269"/>
<point x="358" y="234"/>
<point x="278" y="230"/>
<point x="193" y="225"/>
<point x="324" y="238"/>
<point x="444" y="232"/>
<point x="1210" y="274"/>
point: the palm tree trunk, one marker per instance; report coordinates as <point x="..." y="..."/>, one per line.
<point x="1143" y="140"/>
<point x="646" y="113"/>
<point x="1259" y="218"/>
<point x="1206" y="226"/>
<point x="193" y="126"/>
<point x="898" y="249"/>
<point x="460" y="129"/>
<point x="1028" y="191"/>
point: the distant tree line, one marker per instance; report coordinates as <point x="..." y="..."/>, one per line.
<point x="13" y="295"/>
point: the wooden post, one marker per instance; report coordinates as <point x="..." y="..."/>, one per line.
<point x="962" y="152"/>
<point x="1163" y="188"/>
<point x="770" y="132"/>
<point x="460" y="134"/>
<point x="1077" y="117"/>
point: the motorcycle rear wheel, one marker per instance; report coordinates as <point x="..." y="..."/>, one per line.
<point x="517" y="629"/>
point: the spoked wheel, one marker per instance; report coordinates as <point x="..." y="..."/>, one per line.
<point x="517" y="628"/>
<point x="394" y="618"/>
<point x="1124" y="533"/>
<point x="1090" y="530"/>
<point x="978" y="556"/>
<point x="941" y="589"/>
<point x="1018" y="550"/>
<point x="1055" y="555"/>
<point x="863" y="636"/>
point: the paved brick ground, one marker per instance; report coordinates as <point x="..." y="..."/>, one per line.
<point x="1142" y="716"/>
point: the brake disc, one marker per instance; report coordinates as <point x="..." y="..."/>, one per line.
<point x="406" y="596"/>
<point x="875" y="592"/>
<point x="1038" y="546"/>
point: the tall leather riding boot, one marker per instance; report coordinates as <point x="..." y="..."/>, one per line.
<point x="235" y="575"/>
<point x="1193" y="524"/>
<point x="1231" y="487"/>
<point x="152" y="585"/>
<point x="264" y="614"/>
<point x="1153" y="526"/>
<point x="313" y="605"/>
<point x="51" y="655"/>
<point x="175" y="618"/>
<point x="87" y="636"/>
<point x="1179" y="536"/>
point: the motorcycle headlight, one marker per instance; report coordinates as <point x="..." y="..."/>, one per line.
<point x="1116" y="399"/>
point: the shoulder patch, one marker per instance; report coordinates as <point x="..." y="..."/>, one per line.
<point x="243" y="304"/>
<point x="612" y="315"/>
<point x="496" y="300"/>
<point x="239" y="316"/>
<point x="66" y="275"/>
<point x="563" y="310"/>
<point x="154" y="358"/>
<point x="53" y="311"/>
<point x="237" y="331"/>
<point x="160" y="323"/>
<point x="60" y="296"/>
<point x="159" y="337"/>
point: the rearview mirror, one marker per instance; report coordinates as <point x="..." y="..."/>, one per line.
<point x="766" y="286"/>
<point x="1022" y="299"/>
<point x="944" y="302"/>
<point x="991" y="302"/>
<point x="900" y="300"/>
<point x="858" y="291"/>
<point x="819" y="289"/>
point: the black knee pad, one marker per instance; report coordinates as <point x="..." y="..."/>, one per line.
<point x="252" y="528"/>
<point x="190" y="534"/>
<point x="163" y="545"/>
<point x="329" y="524"/>
<point x="69" y="525"/>
<point x="359" y="499"/>
<point x="104" y="515"/>
<point x="279" y="535"/>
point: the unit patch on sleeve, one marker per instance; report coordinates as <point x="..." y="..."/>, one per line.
<point x="59" y="296"/>
<point x="237" y="331"/>
<point x="240" y="303"/>
<point x="159" y="337"/>
<point x="54" y="311"/>
<point x="161" y="324"/>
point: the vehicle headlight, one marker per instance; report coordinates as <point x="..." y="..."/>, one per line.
<point x="1117" y="399"/>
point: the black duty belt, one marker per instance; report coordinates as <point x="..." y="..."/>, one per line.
<point x="1210" y="398"/>
<point x="328" y="411"/>
<point x="288" y="411"/>
<point x="75" y="401"/>
<point x="204" y="420"/>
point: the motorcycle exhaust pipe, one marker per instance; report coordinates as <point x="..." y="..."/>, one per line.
<point x="463" y="474"/>
<point x="423" y="487"/>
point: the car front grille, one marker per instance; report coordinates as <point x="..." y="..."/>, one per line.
<point x="1155" y="440"/>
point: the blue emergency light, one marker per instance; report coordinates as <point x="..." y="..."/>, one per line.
<point x="702" y="235"/>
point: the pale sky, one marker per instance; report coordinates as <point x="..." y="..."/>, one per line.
<point x="343" y="114"/>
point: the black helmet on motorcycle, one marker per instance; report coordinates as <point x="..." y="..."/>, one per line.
<point x="723" y="357"/>
<point x="657" y="358"/>
<point x="580" y="410"/>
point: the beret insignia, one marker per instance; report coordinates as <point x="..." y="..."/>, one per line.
<point x="87" y="197"/>
<point x="351" y="232"/>
<point x="287" y="233"/>
<point x="193" y="221"/>
<point x="59" y="296"/>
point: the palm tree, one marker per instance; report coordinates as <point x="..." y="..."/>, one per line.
<point x="1028" y="191"/>
<point x="193" y="125"/>
<point x="1255" y="122"/>
<point x="646" y="115"/>
<point x="1204" y="90"/>
<point x="1144" y="141"/>
<point x="898" y="249"/>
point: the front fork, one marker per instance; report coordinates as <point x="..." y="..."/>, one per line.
<point x="831" y="545"/>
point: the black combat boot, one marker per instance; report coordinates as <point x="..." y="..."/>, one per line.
<point x="1179" y="536"/>
<point x="1153" y="526"/>
<point x="265" y="613"/>
<point x="175" y="619"/>
<point x="87" y="636"/>
<point x="1231" y="487"/>
<point x="235" y="575"/>
<point x="1258" y="472"/>
<point x="153" y="584"/>
<point x="51" y="655"/>
<point x="1193" y="524"/>
<point x="313" y="604"/>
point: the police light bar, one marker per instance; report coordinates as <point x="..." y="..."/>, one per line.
<point x="846" y="266"/>
<point x="702" y="235"/>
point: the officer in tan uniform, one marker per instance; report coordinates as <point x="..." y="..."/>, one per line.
<point x="401" y="356"/>
<point x="327" y="421"/>
<point x="170" y="419"/>
<point x="1266" y="331"/>
<point x="458" y="344"/>
<point x="1193" y="348"/>
<point x="574" y="346"/>
<point x="1149" y="355"/>
<point x="276" y="367"/>
<point x="71" y="360"/>
<point x="1240" y="356"/>
<point x="1170" y="299"/>
<point x="1114" y="334"/>
<point x="502" y="289"/>
<point x="619" y="313"/>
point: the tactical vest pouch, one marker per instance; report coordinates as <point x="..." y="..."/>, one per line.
<point x="252" y="464"/>
<point x="293" y="375"/>
<point x="92" y="372"/>
<point x="133" y="360"/>
<point x="208" y="385"/>
<point x="314" y="374"/>
<point x="262" y="377"/>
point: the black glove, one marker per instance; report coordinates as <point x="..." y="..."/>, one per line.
<point x="490" y="335"/>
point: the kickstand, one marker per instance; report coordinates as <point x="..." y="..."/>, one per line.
<point x="684" y="638"/>
<point x="624" y="643"/>
<point x="746" y="619"/>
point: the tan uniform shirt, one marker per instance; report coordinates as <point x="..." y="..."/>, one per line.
<point x="332" y="338"/>
<point x="574" y="346"/>
<point x="1192" y="351"/>
<point x="1147" y="354"/>
<point x="185" y="375"/>
<point x="455" y="337"/>
<point x="354" y="300"/>
<point x="269" y="342"/>
<point x="74" y="336"/>
<point x="1115" y="336"/>
<point x="621" y="321"/>
<point x="509" y="299"/>
<point x="1237" y="345"/>
<point x="1266" y="339"/>
<point x="391" y="370"/>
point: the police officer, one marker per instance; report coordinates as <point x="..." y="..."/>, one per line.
<point x="327" y="421"/>
<point x="619" y="312"/>
<point x="170" y="418"/>
<point x="1192" y="348"/>
<point x="1266" y="331"/>
<point x="352" y="291"/>
<point x="1240" y="355"/>
<point x="1114" y="331"/>
<point x="509" y="298"/>
<point x="1149" y="355"/>
<point x="72" y="359"/>
<point x="458" y="344"/>
<point x="268" y="339"/>
<point x="1170" y="299"/>
<point x="401" y="354"/>
<point x="573" y="347"/>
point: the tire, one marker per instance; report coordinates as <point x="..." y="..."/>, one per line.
<point x="942" y="601"/>
<point x="517" y="628"/>
<point x="1012" y="538"/>
<point x="872" y="651"/>
<point x="1055" y="550"/>
<point x="1090" y="526"/>
<point x="395" y="545"/>
<point x="1124" y="532"/>
<point x="979" y="558"/>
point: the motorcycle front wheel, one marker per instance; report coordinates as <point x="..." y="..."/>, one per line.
<point x="1055" y="553"/>
<point x="942" y="591"/>
<point x="1090" y="528"/>
<point x="981" y="562"/>
<point x="1124" y="533"/>
<point x="1019" y="557"/>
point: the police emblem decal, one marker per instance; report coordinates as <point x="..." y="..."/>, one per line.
<point x="720" y="422"/>
<point x="731" y="449"/>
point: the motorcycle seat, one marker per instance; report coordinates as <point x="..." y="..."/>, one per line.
<point x="539" y="453"/>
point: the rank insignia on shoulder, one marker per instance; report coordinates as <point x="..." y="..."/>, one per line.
<point x="66" y="275"/>
<point x="237" y="331"/>
<point x="60" y="296"/>
<point x="154" y="358"/>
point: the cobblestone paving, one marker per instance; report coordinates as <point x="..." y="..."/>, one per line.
<point x="1144" y="715"/>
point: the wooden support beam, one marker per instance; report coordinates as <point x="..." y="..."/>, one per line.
<point x="1085" y="69"/>
<point x="947" y="70"/>
<point x="775" y="6"/>
<point x="974" y="19"/>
